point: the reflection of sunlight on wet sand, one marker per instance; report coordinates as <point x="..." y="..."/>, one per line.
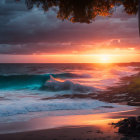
<point x="101" y="121"/>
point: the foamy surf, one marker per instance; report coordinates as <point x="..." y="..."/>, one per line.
<point x="28" y="107"/>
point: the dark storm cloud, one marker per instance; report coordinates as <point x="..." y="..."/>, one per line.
<point x="25" y="31"/>
<point x="32" y="48"/>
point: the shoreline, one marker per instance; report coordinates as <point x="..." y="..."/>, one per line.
<point x="54" y="119"/>
<point x="82" y="127"/>
<point x="89" y="125"/>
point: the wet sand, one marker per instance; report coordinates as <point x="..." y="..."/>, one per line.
<point x="76" y="127"/>
<point x="67" y="133"/>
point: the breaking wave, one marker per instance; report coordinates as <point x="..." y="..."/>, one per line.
<point x="46" y="82"/>
<point x="59" y="85"/>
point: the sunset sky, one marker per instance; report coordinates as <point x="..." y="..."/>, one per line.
<point x="36" y="36"/>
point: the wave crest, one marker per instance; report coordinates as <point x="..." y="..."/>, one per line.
<point x="59" y="85"/>
<point x="39" y="81"/>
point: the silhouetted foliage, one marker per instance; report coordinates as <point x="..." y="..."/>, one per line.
<point x="84" y="11"/>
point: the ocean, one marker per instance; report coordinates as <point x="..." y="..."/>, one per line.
<point x="34" y="90"/>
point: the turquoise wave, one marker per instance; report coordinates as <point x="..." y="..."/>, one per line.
<point x="31" y="81"/>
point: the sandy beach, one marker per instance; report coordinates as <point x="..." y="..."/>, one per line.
<point x="75" y="127"/>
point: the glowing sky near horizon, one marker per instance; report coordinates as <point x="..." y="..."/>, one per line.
<point x="33" y="36"/>
<point x="100" y="58"/>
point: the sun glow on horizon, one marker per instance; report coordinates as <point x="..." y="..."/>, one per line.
<point x="105" y="58"/>
<point x="79" y="58"/>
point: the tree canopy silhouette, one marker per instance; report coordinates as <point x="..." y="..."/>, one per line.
<point x="84" y="11"/>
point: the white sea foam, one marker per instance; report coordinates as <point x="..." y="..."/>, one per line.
<point x="26" y="105"/>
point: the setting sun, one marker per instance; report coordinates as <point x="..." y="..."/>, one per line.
<point x="104" y="58"/>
